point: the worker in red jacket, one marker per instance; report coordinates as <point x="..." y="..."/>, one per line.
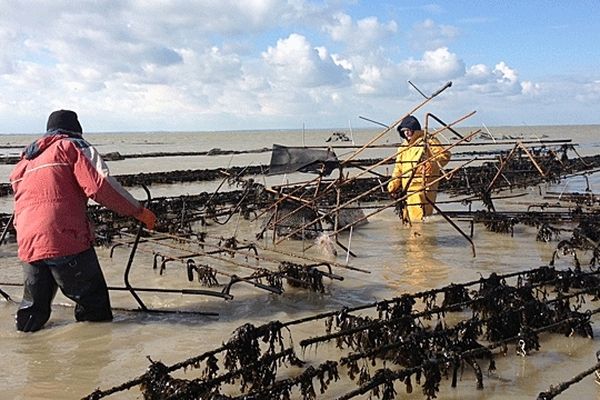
<point x="52" y="183"/>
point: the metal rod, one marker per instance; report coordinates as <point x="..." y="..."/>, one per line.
<point x="374" y="189"/>
<point x="354" y="178"/>
<point x="443" y="123"/>
<point x="5" y="230"/>
<point x="396" y="201"/>
<point x="386" y="130"/>
<point x="532" y="159"/>
<point x="443" y="214"/>
<point x="373" y="121"/>
<point x="132" y="255"/>
<point x="200" y="292"/>
<point x="151" y="290"/>
<point x="234" y="278"/>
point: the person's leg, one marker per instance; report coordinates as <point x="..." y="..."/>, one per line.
<point x="39" y="289"/>
<point x="81" y="280"/>
<point x="414" y="205"/>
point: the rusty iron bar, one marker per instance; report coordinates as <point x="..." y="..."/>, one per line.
<point x="330" y="275"/>
<point x="307" y="258"/>
<point x="132" y="255"/>
<point x="555" y="390"/>
<point x="398" y="200"/>
<point x="233" y="277"/>
<point x="503" y="165"/>
<point x="449" y="220"/>
<point x="415" y="314"/>
<point x="257" y="257"/>
<point x="377" y="188"/>
<point x="165" y="257"/>
<point x="389" y="128"/>
<point x="6" y="228"/>
<point x="283" y="198"/>
<point x="238" y="264"/>
<point x="304" y="203"/>
<point x="401" y="374"/>
<point x="380" y="163"/>
<point x="535" y="164"/>
<point x="393" y="156"/>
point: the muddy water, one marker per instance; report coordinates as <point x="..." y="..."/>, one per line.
<point x="68" y="360"/>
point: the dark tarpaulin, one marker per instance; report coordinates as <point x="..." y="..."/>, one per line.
<point x="292" y="159"/>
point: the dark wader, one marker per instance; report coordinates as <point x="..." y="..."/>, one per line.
<point x="78" y="276"/>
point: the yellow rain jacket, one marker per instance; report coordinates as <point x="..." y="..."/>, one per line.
<point x="409" y="155"/>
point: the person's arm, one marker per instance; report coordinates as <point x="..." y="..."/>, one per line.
<point x="396" y="183"/>
<point x="442" y="156"/>
<point x="93" y="176"/>
<point x="438" y="158"/>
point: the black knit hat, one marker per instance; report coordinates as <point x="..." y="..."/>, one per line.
<point x="65" y="120"/>
<point x="409" y="122"/>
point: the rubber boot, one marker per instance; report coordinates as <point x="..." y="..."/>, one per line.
<point x="39" y="289"/>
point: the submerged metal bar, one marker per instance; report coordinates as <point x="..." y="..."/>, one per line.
<point x="233" y="278"/>
<point x="236" y="278"/>
<point x="443" y="214"/>
<point x="555" y="390"/>
<point x="201" y="292"/>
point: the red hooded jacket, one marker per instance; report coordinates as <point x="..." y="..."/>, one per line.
<point x="52" y="183"/>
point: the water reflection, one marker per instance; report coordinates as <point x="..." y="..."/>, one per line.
<point x="418" y="265"/>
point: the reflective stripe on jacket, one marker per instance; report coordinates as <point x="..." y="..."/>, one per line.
<point x="52" y="183"/>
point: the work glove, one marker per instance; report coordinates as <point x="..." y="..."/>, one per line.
<point x="147" y="217"/>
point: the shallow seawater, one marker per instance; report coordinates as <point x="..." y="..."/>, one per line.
<point x="68" y="360"/>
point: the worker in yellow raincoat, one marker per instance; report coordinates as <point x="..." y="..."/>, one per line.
<point x="413" y="179"/>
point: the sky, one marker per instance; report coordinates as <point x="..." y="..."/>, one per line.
<point x="215" y="65"/>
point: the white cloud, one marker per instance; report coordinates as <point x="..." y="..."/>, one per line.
<point x="371" y="78"/>
<point x="429" y="35"/>
<point x="223" y="17"/>
<point x="478" y="73"/>
<point x="264" y="62"/>
<point x="294" y="61"/>
<point x="530" y="88"/>
<point x="366" y="33"/>
<point x="505" y="74"/>
<point x="8" y="39"/>
<point x="588" y="92"/>
<point x="384" y="78"/>
<point x="502" y="80"/>
<point x="438" y="64"/>
<point x="342" y="62"/>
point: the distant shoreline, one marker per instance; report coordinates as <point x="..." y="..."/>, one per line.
<point x="342" y="129"/>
